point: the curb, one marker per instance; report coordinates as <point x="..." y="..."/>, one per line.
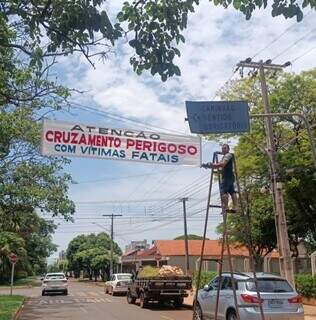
<point x="18" y="312"/>
<point x="16" y="287"/>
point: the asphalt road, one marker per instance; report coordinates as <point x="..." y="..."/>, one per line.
<point x="87" y="301"/>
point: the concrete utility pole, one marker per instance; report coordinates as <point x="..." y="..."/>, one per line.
<point x="112" y="237"/>
<point x="186" y="244"/>
<point x="286" y="266"/>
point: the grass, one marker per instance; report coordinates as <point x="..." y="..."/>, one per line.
<point x="28" y="281"/>
<point x="9" y="305"/>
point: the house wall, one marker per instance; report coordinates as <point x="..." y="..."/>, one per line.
<point x="238" y="263"/>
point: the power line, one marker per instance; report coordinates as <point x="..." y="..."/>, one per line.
<point x="303" y="55"/>
<point x="278" y="37"/>
<point x="293" y="44"/>
<point x="121" y="178"/>
<point x="124" y="201"/>
<point x="121" y="118"/>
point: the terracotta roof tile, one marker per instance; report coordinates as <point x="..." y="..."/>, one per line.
<point x="212" y="248"/>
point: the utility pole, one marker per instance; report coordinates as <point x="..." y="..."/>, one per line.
<point x="286" y="266"/>
<point x="112" y="237"/>
<point x="186" y="244"/>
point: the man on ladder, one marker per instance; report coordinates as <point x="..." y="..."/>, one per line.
<point x="227" y="178"/>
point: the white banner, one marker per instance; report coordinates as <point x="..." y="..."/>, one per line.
<point x="78" y="140"/>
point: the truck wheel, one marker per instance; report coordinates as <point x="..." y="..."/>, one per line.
<point x="178" y="302"/>
<point x="130" y="298"/>
<point x="143" y="301"/>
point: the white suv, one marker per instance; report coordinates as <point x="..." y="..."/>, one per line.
<point x="55" y="282"/>
<point x="118" y="283"/>
<point x="279" y="300"/>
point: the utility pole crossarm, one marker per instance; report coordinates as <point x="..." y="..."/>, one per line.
<point x="267" y="66"/>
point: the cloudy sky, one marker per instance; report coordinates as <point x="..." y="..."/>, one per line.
<point x="148" y="195"/>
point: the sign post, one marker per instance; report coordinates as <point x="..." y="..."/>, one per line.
<point x="158" y="258"/>
<point x="13" y="259"/>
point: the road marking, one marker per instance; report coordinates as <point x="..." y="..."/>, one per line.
<point x="92" y="293"/>
<point x="68" y="300"/>
<point x="83" y="309"/>
<point x="80" y="294"/>
<point x="167" y="318"/>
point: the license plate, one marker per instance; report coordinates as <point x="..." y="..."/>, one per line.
<point x="275" y="303"/>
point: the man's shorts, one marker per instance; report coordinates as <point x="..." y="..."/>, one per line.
<point x="227" y="187"/>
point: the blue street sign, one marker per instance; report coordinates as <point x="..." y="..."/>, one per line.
<point x="218" y="116"/>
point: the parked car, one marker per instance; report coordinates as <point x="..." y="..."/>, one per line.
<point x="55" y="283"/>
<point x="279" y="300"/>
<point x="118" y="283"/>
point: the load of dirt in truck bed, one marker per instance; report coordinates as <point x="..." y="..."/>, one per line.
<point x="164" y="271"/>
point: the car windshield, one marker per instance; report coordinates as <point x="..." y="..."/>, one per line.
<point x="270" y="285"/>
<point x="124" y="277"/>
<point x="55" y="276"/>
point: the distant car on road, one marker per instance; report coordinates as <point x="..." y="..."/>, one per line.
<point x="279" y="300"/>
<point x="118" y="283"/>
<point x="55" y="283"/>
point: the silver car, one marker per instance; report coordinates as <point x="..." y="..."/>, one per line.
<point x="118" y="283"/>
<point x="55" y="283"/>
<point x="279" y="300"/>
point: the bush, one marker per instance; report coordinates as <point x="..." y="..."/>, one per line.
<point x="21" y="275"/>
<point x="206" y="277"/>
<point x="306" y="285"/>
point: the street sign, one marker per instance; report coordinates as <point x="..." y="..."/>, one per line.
<point x="158" y="256"/>
<point x="218" y="116"/>
<point x="13" y="258"/>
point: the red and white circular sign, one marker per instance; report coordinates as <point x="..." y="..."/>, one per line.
<point x="158" y="256"/>
<point x="13" y="258"/>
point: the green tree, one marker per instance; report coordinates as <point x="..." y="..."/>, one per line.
<point x="190" y="237"/>
<point x="11" y="243"/>
<point x="36" y="234"/>
<point x="288" y="93"/>
<point x="91" y="254"/>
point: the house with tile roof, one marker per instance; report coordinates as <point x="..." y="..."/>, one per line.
<point x="172" y="252"/>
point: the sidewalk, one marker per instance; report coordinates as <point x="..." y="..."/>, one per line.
<point x="310" y="312"/>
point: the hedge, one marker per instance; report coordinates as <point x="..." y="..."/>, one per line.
<point x="306" y="285"/>
<point x="206" y="277"/>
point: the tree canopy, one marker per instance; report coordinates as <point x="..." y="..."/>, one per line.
<point x="52" y="28"/>
<point x="91" y="254"/>
<point x="190" y="237"/>
<point x="29" y="237"/>
<point x="288" y="93"/>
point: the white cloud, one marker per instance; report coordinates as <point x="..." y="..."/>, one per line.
<point x="216" y="39"/>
